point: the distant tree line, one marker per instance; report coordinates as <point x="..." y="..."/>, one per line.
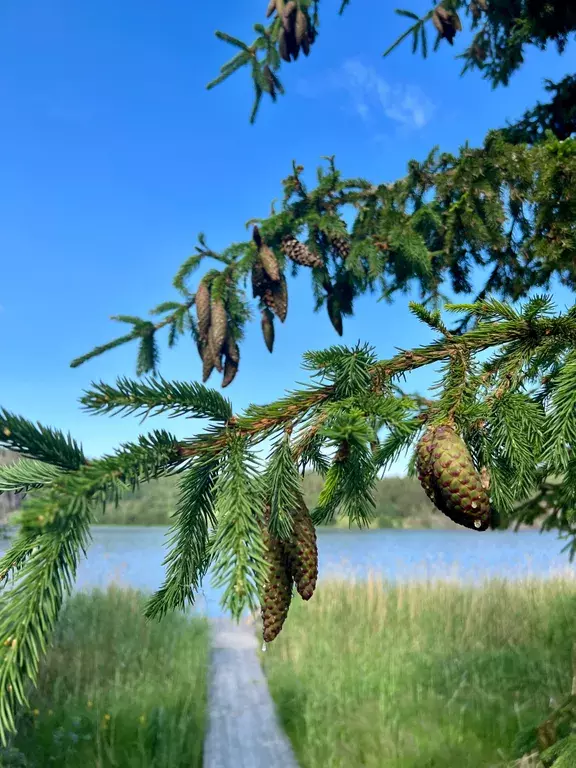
<point x="400" y="503"/>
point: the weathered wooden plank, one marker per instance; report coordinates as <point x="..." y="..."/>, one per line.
<point x="243" y="730"/>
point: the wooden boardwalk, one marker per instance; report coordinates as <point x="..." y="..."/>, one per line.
<point x="243" y="731"/>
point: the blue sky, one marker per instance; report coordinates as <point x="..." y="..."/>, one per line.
<point x="114" y="156"/>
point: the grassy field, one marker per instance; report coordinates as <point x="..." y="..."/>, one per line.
<point x="422" y="675"/>
<point x="116" y="690"/>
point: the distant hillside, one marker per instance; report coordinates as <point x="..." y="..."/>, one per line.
<point x="400" y="503"/>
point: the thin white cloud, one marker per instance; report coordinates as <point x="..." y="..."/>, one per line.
<point x="370" y="96"/>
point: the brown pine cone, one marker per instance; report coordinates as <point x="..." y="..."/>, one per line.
<point x="302" y="551"/>
<point x="231" y="361"/>
<point x="335" y="314"/>
<point x="270" y="263"/>
<point x="218" y="327"/>
<point x="447" y="23"/>
<point x="340" y="246"/>
<point x="260" y="280"/>
<point x="278" y="587"/>
<point x="300" y="253"/>
<point x="268" y="329"/>
<point x="203" y="310"/>
<point x="276" y="298"/>
<point x="207" y="361"/>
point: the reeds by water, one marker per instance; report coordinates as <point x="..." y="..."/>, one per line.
<point x="117" y="690"/>
<point x="421" y="675"/>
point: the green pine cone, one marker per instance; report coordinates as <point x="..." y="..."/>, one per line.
<point x="448" y="475"/>
<point x="424" y="465"/>
<point x="302" y="552"/>
<point x="278" y="588"/>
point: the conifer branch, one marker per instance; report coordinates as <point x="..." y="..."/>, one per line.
<point x="26" y="475"/>
<point x="157" y="396"/>
<point x="188" y="559"/>
<point x="497" y="48"/>
<point x="397" y="239"/>
<point x="237" y="548"/>
<point x="39" y="442"/>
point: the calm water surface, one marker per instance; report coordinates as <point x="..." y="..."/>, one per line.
<point x="133" y="556"/>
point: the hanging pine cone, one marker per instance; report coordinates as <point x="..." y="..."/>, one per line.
<point x="297" y="31"/>
<point x="207" y="361"/>
<point x="302" y="551"/>
<point x="299" y="253"/>
<point x="256" y="236"/>
<point x="260" y="280"/>
<point x="278" y="587"/>
<point x="447" y="23"/>
<point x="301" y="27"/>
<point x="231" y="361"/>
<point x="213" y="350"/>
<point x="231" y="348"/>
<point x="341" y="246"/>
<point x="218" y="326"/>
<point x="270" y="263"/>
<point x="276" y="298"/>
<point x="230" y="371"/>
<point x="268" y="328"/>
<point x="203" y="310"/>
<point x="344" y="292"/>
<point x="334" y="314"/>
<point x="448" y="475"/>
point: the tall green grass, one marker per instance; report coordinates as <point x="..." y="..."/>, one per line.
<point x="117" y="690"/>
<point x="421" y="675"/>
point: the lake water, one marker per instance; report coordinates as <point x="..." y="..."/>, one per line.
<point x="133" y="556"/>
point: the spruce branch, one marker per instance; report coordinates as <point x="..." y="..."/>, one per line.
<point x="188" y="559"/>
<point x="282" y="488"/>
<point x="398" y="240"/>
<point x="156" y="396"/>
<point x="237" y="548"/>
<point x="222" y="495"/>
<point x="39" y="442"/>
<point x="28" y="617"/>
<point x="26" y="475"/>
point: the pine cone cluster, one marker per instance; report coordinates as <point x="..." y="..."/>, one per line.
<point x="447" y="23"/>
<point x="449" y="478"/>
<point x="289" y="563"/>
<point x="297" y="31"/>
<point x="216" y="346"/>
<point x="269" y="284"/>
<point x="299" y="253"/>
